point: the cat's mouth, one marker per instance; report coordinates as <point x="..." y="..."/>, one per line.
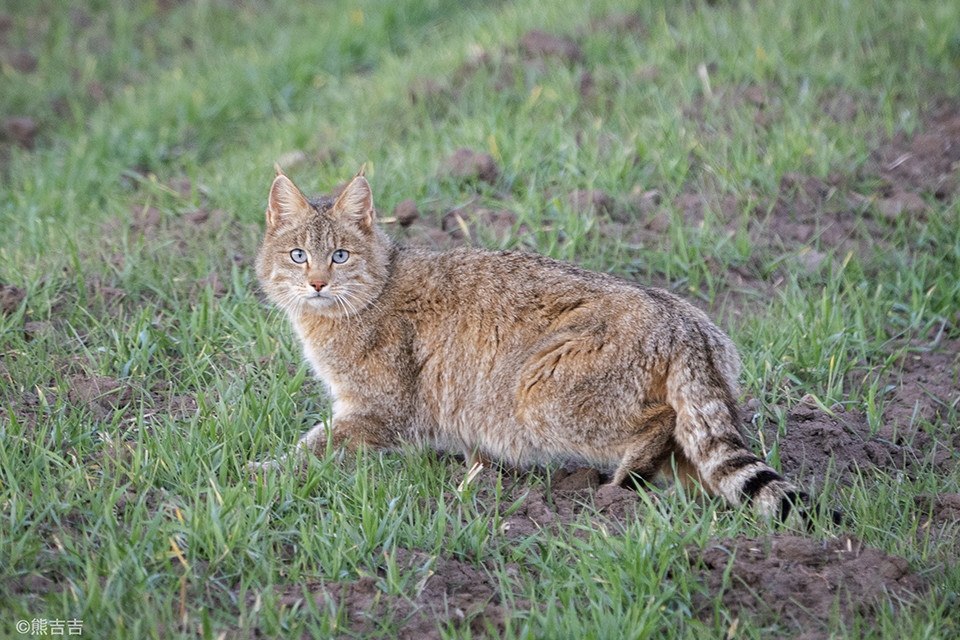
<point x="322" y="300"/>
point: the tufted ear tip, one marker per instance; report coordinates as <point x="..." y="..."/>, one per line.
<point x="277" y="171"/>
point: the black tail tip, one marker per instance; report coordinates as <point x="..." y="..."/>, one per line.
<point x="809" y="512"/>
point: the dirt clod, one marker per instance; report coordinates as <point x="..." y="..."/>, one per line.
<point x="819" y="443"/>
<point x="474" y="223"/>
<point x="100" y="394"/>
<point x="22" y="61"/>
<point x="943" y="507"/>
<point x="465" y="163"/>
<point x="10" y="298"/>
<point x="406" y="212"/>
<point x="584" y="200"/>
<point x="537" y="44"/>
<point x="579" y="479"/>
<point x="20" y="129"/>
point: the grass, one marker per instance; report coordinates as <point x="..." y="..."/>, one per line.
<point x="142" y="516"/>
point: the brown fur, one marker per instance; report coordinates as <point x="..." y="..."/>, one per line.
<point x="504" y="355"/>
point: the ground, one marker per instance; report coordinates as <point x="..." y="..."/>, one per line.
<point x="791" y="169"/>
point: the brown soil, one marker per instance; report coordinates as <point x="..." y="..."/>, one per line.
<point x="11" y="298"/>
<point x="787" y="580"/>
<point x="468" y="164"/>
<point x="941" y="508"/>
<point x="801" y="584"/>
<point x="441" y="592"/>
<point x="926" y="385"/>
<point x="818" y="444"/>
<point x="406" y="213"/>
<point x="537" y="44"/>
<point x="926" y="162"/>
<point x="21" y="130"/>
<point x="532" y="54"/>
<point x="913" y="432"/>
<point x="102" y="397"/>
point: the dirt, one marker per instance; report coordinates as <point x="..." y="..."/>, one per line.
<point x="801" y="584"/>
<point x="441" y="592"/>
<point x="468" y="164"/>
<point x="912" y="432"/>
<point x="926" y="384"/>
<point x="926" y="162"/>
<point x="406" y="212"/>
<point x="818" y="444"/>
<point x="940" y="508"/>
<point x="21" y="130"/>
<point x="795" y="582"/>
<point x="532" y="54"/>
<point x="591" y="201"/>
<point x="537" y="44"/>
<point x="11" y="298"/>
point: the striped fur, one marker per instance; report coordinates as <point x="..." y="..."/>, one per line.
<point x="505" y="355"/>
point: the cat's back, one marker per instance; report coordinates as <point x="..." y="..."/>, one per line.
<point x="522" y="287"/>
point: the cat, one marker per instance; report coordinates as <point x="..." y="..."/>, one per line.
<point x="504" y="355"/>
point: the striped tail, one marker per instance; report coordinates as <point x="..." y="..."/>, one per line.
<point x="700" y="388"/>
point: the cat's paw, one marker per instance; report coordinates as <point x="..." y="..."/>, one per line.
<point x="255" y="470"/>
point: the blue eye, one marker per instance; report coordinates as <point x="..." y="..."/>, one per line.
<point x="298" y="255"/>
<point x="340" y="256"/>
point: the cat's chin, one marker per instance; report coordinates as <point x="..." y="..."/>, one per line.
<point x="322" y="305"/>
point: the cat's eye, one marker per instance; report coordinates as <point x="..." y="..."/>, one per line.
<point x="298" y="255"/>
<point x="340" y="256"/>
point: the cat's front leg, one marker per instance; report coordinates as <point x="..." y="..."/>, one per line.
<point x="352" y="431"/>
<point x="313" y="441"/>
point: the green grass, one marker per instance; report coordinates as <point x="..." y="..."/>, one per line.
<point x="127" y="510"/>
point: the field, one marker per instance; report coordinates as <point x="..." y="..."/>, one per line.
<point x="793" y="168"/>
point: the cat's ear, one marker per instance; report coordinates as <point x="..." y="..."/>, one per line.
<point x="356" y="201"/>
<point x="285" y="200"/>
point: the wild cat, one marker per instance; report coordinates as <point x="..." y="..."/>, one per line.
<point x="504" y="355"/>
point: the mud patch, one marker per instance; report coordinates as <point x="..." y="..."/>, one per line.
<point x="803" y="583"/>
<point x="442" y="593"/>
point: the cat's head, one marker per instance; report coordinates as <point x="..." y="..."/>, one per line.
<point x="322" y="256"/>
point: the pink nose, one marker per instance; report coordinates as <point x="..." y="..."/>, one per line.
<point x="317" y="285"/>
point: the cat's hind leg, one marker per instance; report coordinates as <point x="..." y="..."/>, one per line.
<point x="649" y="451"/>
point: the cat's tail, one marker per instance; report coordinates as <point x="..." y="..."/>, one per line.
<point x="701" y="387"/>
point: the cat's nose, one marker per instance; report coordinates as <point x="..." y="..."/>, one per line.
<point x="317" y="285"/>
